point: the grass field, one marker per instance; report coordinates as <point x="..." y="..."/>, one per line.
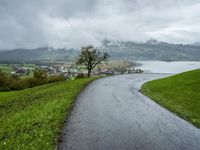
<point x="6" y="68"/>
<point x="33" y="118"/>
<point x="180" y="94"/>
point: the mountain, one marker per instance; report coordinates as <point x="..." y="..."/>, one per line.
<point x="38" y="54"/>
<point x="196" y="43"/>
<point x="150" y="50"/>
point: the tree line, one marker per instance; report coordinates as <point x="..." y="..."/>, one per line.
<point x="40" y="77"/>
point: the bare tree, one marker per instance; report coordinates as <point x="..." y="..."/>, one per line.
<point x="90" y="57"/>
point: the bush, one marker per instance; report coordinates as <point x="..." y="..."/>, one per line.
<point x="33" y="82"/>
<point x="3" y="81"/>
<point x="56" y="78"/>
<point x="18" y="84"/>
<point x="79" y="76"/>
<point x="40" y="74"/>
<point x="8" y="83"/>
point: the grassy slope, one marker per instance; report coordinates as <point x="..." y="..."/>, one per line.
<point x="179" y="93"/>
<point x="32" y="118"/>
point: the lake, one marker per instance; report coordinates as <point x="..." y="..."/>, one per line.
<point x="168" y="67"/>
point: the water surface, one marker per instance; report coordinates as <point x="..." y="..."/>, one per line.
<point x="168" y="67"/>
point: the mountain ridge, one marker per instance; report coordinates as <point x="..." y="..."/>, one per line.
<point x="150" y="50"/>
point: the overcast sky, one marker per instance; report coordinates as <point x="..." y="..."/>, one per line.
<point x="74" y="23"/>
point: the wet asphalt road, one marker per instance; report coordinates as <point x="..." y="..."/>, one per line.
<point x="111" y="114"/>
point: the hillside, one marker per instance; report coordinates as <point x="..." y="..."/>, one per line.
<point x="179" y="93"/>
<point x="33" y="118"/>
<point x="39" y="54"/>
<point x="150" y="50"/>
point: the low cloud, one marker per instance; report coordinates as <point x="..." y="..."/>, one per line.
<point x="73" y="23"/>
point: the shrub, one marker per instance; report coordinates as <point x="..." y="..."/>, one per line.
<point x="3" y="81"/>
<point x="8" y="83"/>
<point x="40" y="74"/>
<point x="56" y="78"/>
<point x="17" y="84"/>
<point x="79" y="76"/>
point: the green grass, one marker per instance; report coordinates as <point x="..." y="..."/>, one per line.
<point x="32" y="118"/>
<point x="6" y="68"/>
<point x="180" y="94"/>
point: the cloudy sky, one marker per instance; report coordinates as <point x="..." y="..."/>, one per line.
<point x="74" y="23"/>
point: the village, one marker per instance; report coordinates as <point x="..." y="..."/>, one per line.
<point x="70" y="70"/>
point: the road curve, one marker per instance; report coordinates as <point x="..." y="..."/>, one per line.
<point x="111" y="114"/>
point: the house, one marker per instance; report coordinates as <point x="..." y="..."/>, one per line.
<point x="20" y="71"/>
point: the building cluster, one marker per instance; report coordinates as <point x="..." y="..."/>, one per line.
<point x="19" y="70"/>
<point x="71" y="70"/>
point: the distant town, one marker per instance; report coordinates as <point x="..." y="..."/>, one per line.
<point x="71" y="70"/>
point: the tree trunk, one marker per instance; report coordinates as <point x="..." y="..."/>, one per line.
<point x="89" y="71"/>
